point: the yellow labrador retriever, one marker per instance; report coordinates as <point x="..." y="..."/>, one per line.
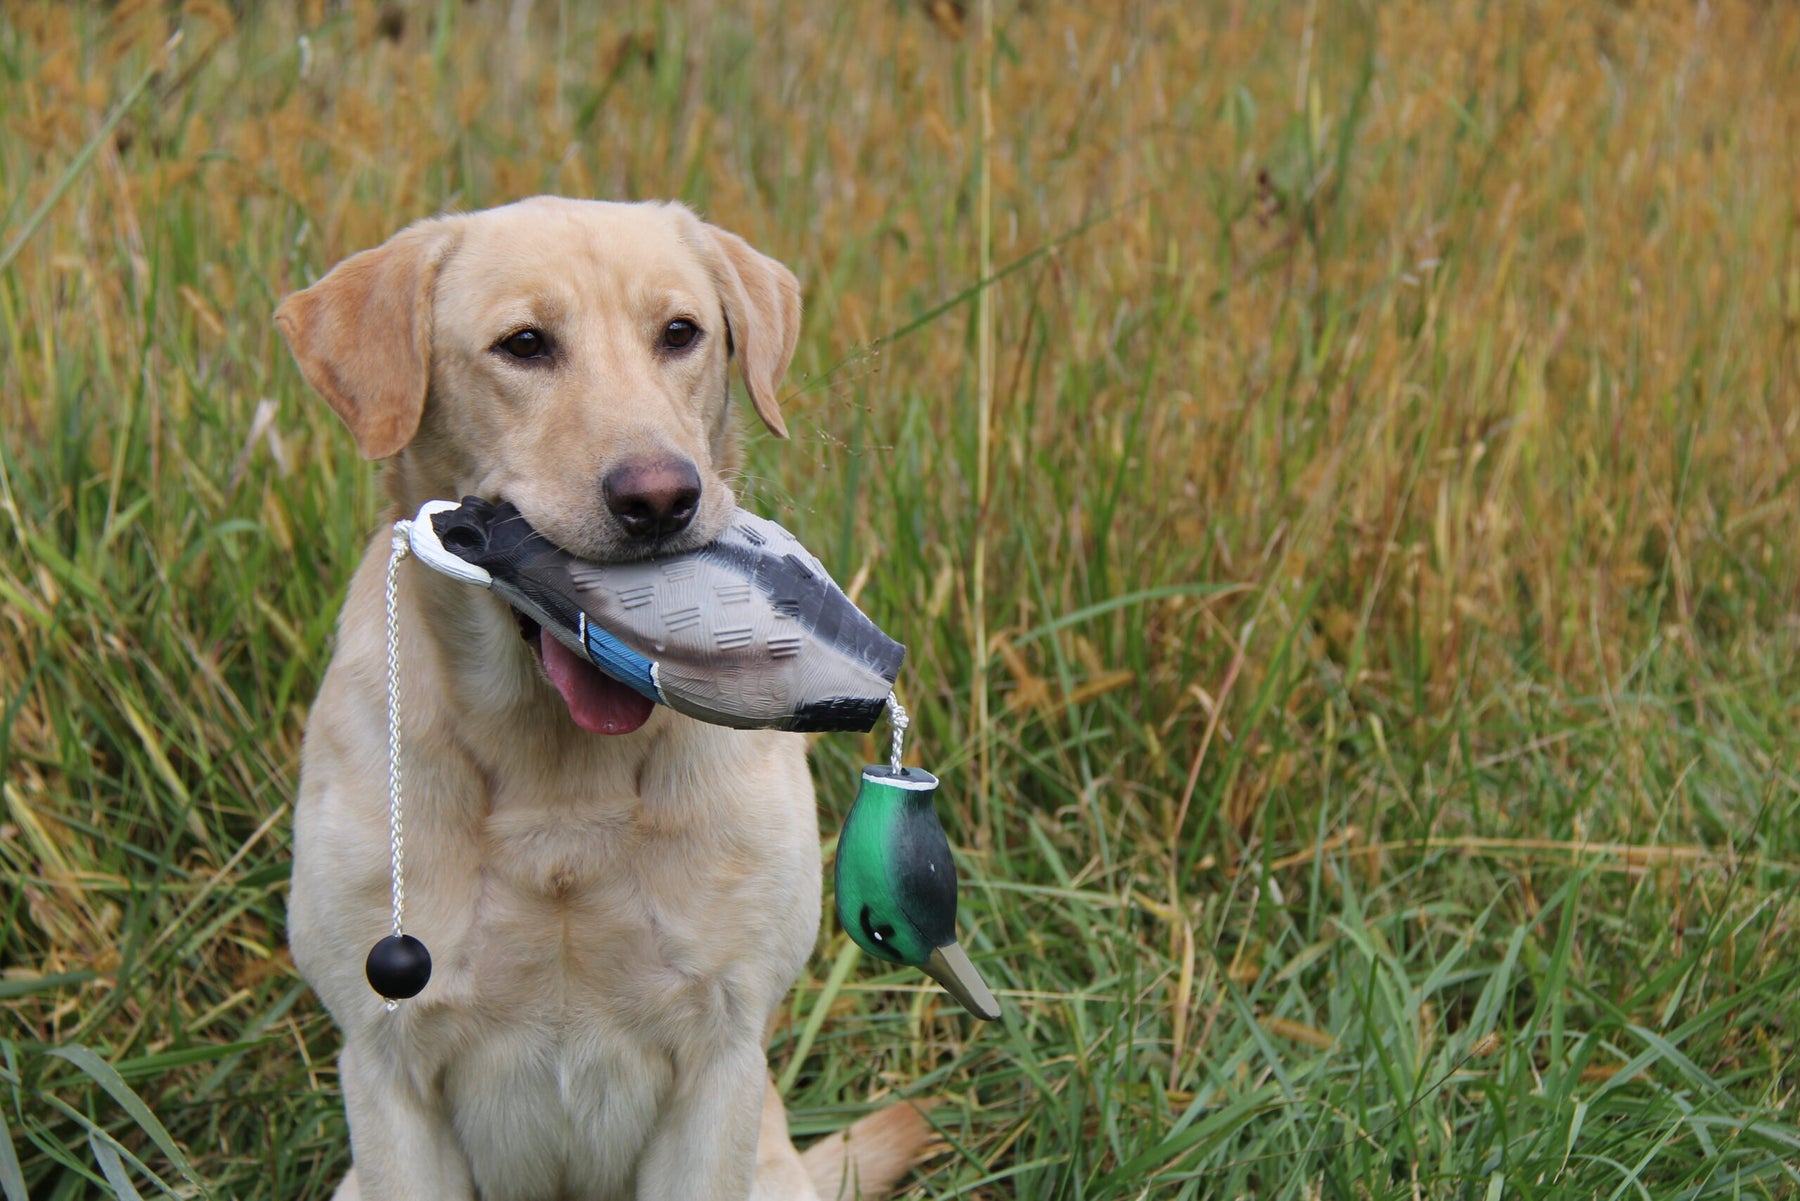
<point x="616" y="897"/>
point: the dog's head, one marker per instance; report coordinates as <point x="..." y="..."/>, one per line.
<point x="567" y="355"/>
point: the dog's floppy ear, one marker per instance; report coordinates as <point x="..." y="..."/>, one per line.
<point x="762" y="309"/>
<point x="362" y="335"/>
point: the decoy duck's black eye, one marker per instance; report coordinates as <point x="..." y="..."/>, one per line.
<point x="525" y="344"/>
<point x="680" y="334"/>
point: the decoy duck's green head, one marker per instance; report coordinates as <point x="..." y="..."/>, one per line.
<point x="896" y="883"/>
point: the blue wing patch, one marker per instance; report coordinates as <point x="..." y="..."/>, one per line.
<point x="619" y="661"/>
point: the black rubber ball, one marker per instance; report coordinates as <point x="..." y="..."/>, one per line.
<point x="399" y="966"/>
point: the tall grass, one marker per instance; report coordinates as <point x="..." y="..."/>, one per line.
<point x="1392" y="563"/>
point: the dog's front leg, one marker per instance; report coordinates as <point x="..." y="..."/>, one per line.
<point x="403" y="1144"/>
<point x="704" y="1148"/>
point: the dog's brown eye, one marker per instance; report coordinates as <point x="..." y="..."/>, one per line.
<point x="680" y="334"/>
<point x="526" y="344"/>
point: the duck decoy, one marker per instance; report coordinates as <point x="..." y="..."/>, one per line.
<point x="895" y="883"/>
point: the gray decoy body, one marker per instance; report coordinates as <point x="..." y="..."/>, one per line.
<point x="749" y="631"/>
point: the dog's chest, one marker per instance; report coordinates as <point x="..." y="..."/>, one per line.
<point x="599" y="912"/>
<point x="545" y="1111"/>
<point x="671" y="904"/>
<point x="590" y="946"/>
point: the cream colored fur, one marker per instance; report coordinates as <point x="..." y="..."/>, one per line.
<point x="612" y="920"/>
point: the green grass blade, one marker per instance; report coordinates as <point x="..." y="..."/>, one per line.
<point x="103" y="1074"/>
<point x="113" y="1169"/>
<point x="12" y="1179"/>
<point x="77" y="166"/>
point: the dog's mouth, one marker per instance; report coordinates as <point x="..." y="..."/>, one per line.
<point x="493" y="536"/>
<point x="597" y="703"/>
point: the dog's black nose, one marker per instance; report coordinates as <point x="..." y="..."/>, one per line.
<point x="652" y="498"/>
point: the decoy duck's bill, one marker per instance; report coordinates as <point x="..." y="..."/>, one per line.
<point x="949" y="965"/>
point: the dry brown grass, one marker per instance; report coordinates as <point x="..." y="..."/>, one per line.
<point x="1433" y="368"/>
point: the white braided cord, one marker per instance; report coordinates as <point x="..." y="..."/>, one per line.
<point x="898" y="720"/>
<point x="402" y="547"/>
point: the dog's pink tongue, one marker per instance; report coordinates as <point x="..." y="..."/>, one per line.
<point x="597" y="702"/>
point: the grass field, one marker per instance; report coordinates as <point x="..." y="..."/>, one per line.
<point x="1354" y="609"/>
